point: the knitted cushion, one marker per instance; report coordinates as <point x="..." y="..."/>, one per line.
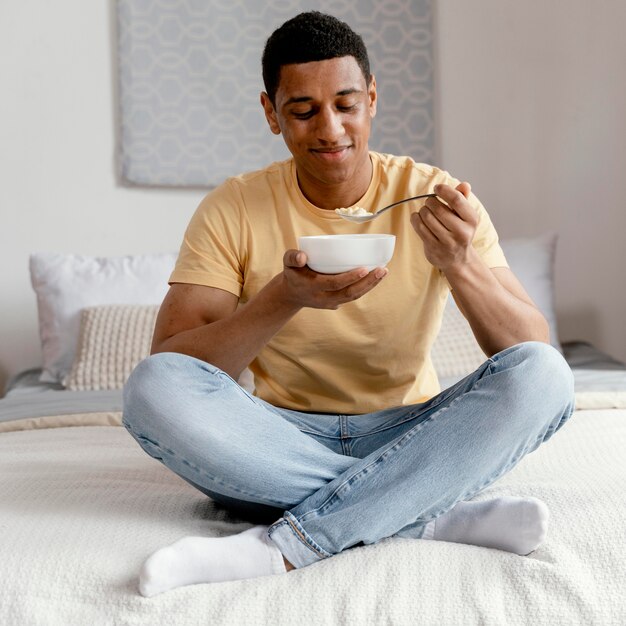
<point x="455" y="352"/>
<point x="113" y="339"/>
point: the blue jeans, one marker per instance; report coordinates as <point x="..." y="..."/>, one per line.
<point x="329" y="482"/>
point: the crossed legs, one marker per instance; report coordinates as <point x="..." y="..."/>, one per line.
<point x="406" y="467"/>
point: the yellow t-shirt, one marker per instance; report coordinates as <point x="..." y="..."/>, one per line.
<point x="368" y="355"/>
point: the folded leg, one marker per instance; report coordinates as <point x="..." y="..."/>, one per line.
<point x="450" y="449"/>
<point x="203" y="426"/>
<point x="416" y="462"/>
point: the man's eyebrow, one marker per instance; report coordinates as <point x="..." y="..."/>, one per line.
<point x="295" y="100"/>
<point x="343" y="92"/>
<point x="347" y="92"/>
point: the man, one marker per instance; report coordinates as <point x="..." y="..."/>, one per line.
<point x="347" y="439"/>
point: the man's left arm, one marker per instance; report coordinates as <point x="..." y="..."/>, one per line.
<point x="498" y="309"/>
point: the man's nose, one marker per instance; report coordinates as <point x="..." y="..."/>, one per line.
<point x="329" y="126"/>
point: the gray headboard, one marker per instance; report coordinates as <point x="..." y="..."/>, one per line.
<point x="190" y="78"/>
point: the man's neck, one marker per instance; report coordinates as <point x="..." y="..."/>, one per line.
<point x="330" y="196"/>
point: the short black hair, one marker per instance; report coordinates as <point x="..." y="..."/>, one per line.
<point x="310" y="36"/>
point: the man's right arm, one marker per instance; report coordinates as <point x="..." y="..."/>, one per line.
<point x="206" y="323"/>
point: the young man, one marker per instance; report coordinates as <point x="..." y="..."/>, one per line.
<point x="347" y="439"/>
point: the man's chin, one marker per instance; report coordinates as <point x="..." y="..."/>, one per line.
<point x="337" y="176"/>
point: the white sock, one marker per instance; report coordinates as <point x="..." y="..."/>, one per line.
<point x="508" y="523"/>
<point x="193" y="560"/>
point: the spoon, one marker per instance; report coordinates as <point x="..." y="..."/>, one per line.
<point x="359" y="219"/>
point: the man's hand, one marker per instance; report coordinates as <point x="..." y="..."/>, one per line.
<point x="303" y="287"/>
<point x="447" y="230"/>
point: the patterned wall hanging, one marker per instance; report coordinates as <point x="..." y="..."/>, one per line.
<point x="190" y="78"/>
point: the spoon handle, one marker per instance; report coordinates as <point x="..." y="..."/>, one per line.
<point x="426" y="195"/>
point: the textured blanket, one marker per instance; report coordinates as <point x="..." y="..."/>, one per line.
<point x="82" y="507"/>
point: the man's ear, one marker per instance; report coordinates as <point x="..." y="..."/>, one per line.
<point x="373" y="96"/>
<point x="270" y="113"/>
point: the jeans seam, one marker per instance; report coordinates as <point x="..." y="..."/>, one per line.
<point x="395" y="424"/>
<point x="316" y="434"/>
<point x="222" y="374"/>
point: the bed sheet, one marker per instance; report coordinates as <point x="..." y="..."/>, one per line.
<point x="83" y="507"/>
<point x="31" y="404"/>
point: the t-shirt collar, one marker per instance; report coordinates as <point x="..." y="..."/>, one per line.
<point x="364" y="201"/>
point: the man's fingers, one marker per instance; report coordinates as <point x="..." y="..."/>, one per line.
<point x="355" y="290"/>
<point x="456" y="200"/>
<point x="353" y="284"/>
<point x="422" y="230"/>
<point x="337" y="282"/>
<point x="465" y="188"/>
<point x="448" y="194"/>
<point x="438" y="217"/>
<point x="294" y="258"/>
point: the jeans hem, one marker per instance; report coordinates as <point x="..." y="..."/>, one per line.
<point x="295" y="543"/>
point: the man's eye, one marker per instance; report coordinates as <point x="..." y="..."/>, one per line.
<point x="304" y="115"/>
<point x="347" y="107"/>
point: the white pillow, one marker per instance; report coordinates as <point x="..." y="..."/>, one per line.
<point x="67" y="283"/>
<point x="455" y="352"/>
<point x="531" y="259"/>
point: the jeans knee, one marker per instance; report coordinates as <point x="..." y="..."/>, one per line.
<point x="153" y="387"/>
<point x="540" y="371"/>
<point x="142" y="389"/>
<point x="550" y="369"/>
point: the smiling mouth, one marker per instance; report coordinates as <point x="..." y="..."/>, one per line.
<point x="330" y="151"/>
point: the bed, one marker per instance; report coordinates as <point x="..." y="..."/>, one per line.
<point x="82" y="506"/>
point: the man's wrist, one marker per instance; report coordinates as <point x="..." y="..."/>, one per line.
<point x="277" y="291"/>
<point x="464" y="269"/>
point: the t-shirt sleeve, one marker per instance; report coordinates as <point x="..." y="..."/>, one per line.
<point x="212" y="252"/>
<point x="486" y="240"/>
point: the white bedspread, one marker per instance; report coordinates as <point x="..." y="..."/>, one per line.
<point x="82" y="507"/>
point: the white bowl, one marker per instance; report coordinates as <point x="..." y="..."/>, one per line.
<point x="333" y="254"/>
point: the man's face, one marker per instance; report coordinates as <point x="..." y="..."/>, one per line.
<point x="324" y="111"/>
